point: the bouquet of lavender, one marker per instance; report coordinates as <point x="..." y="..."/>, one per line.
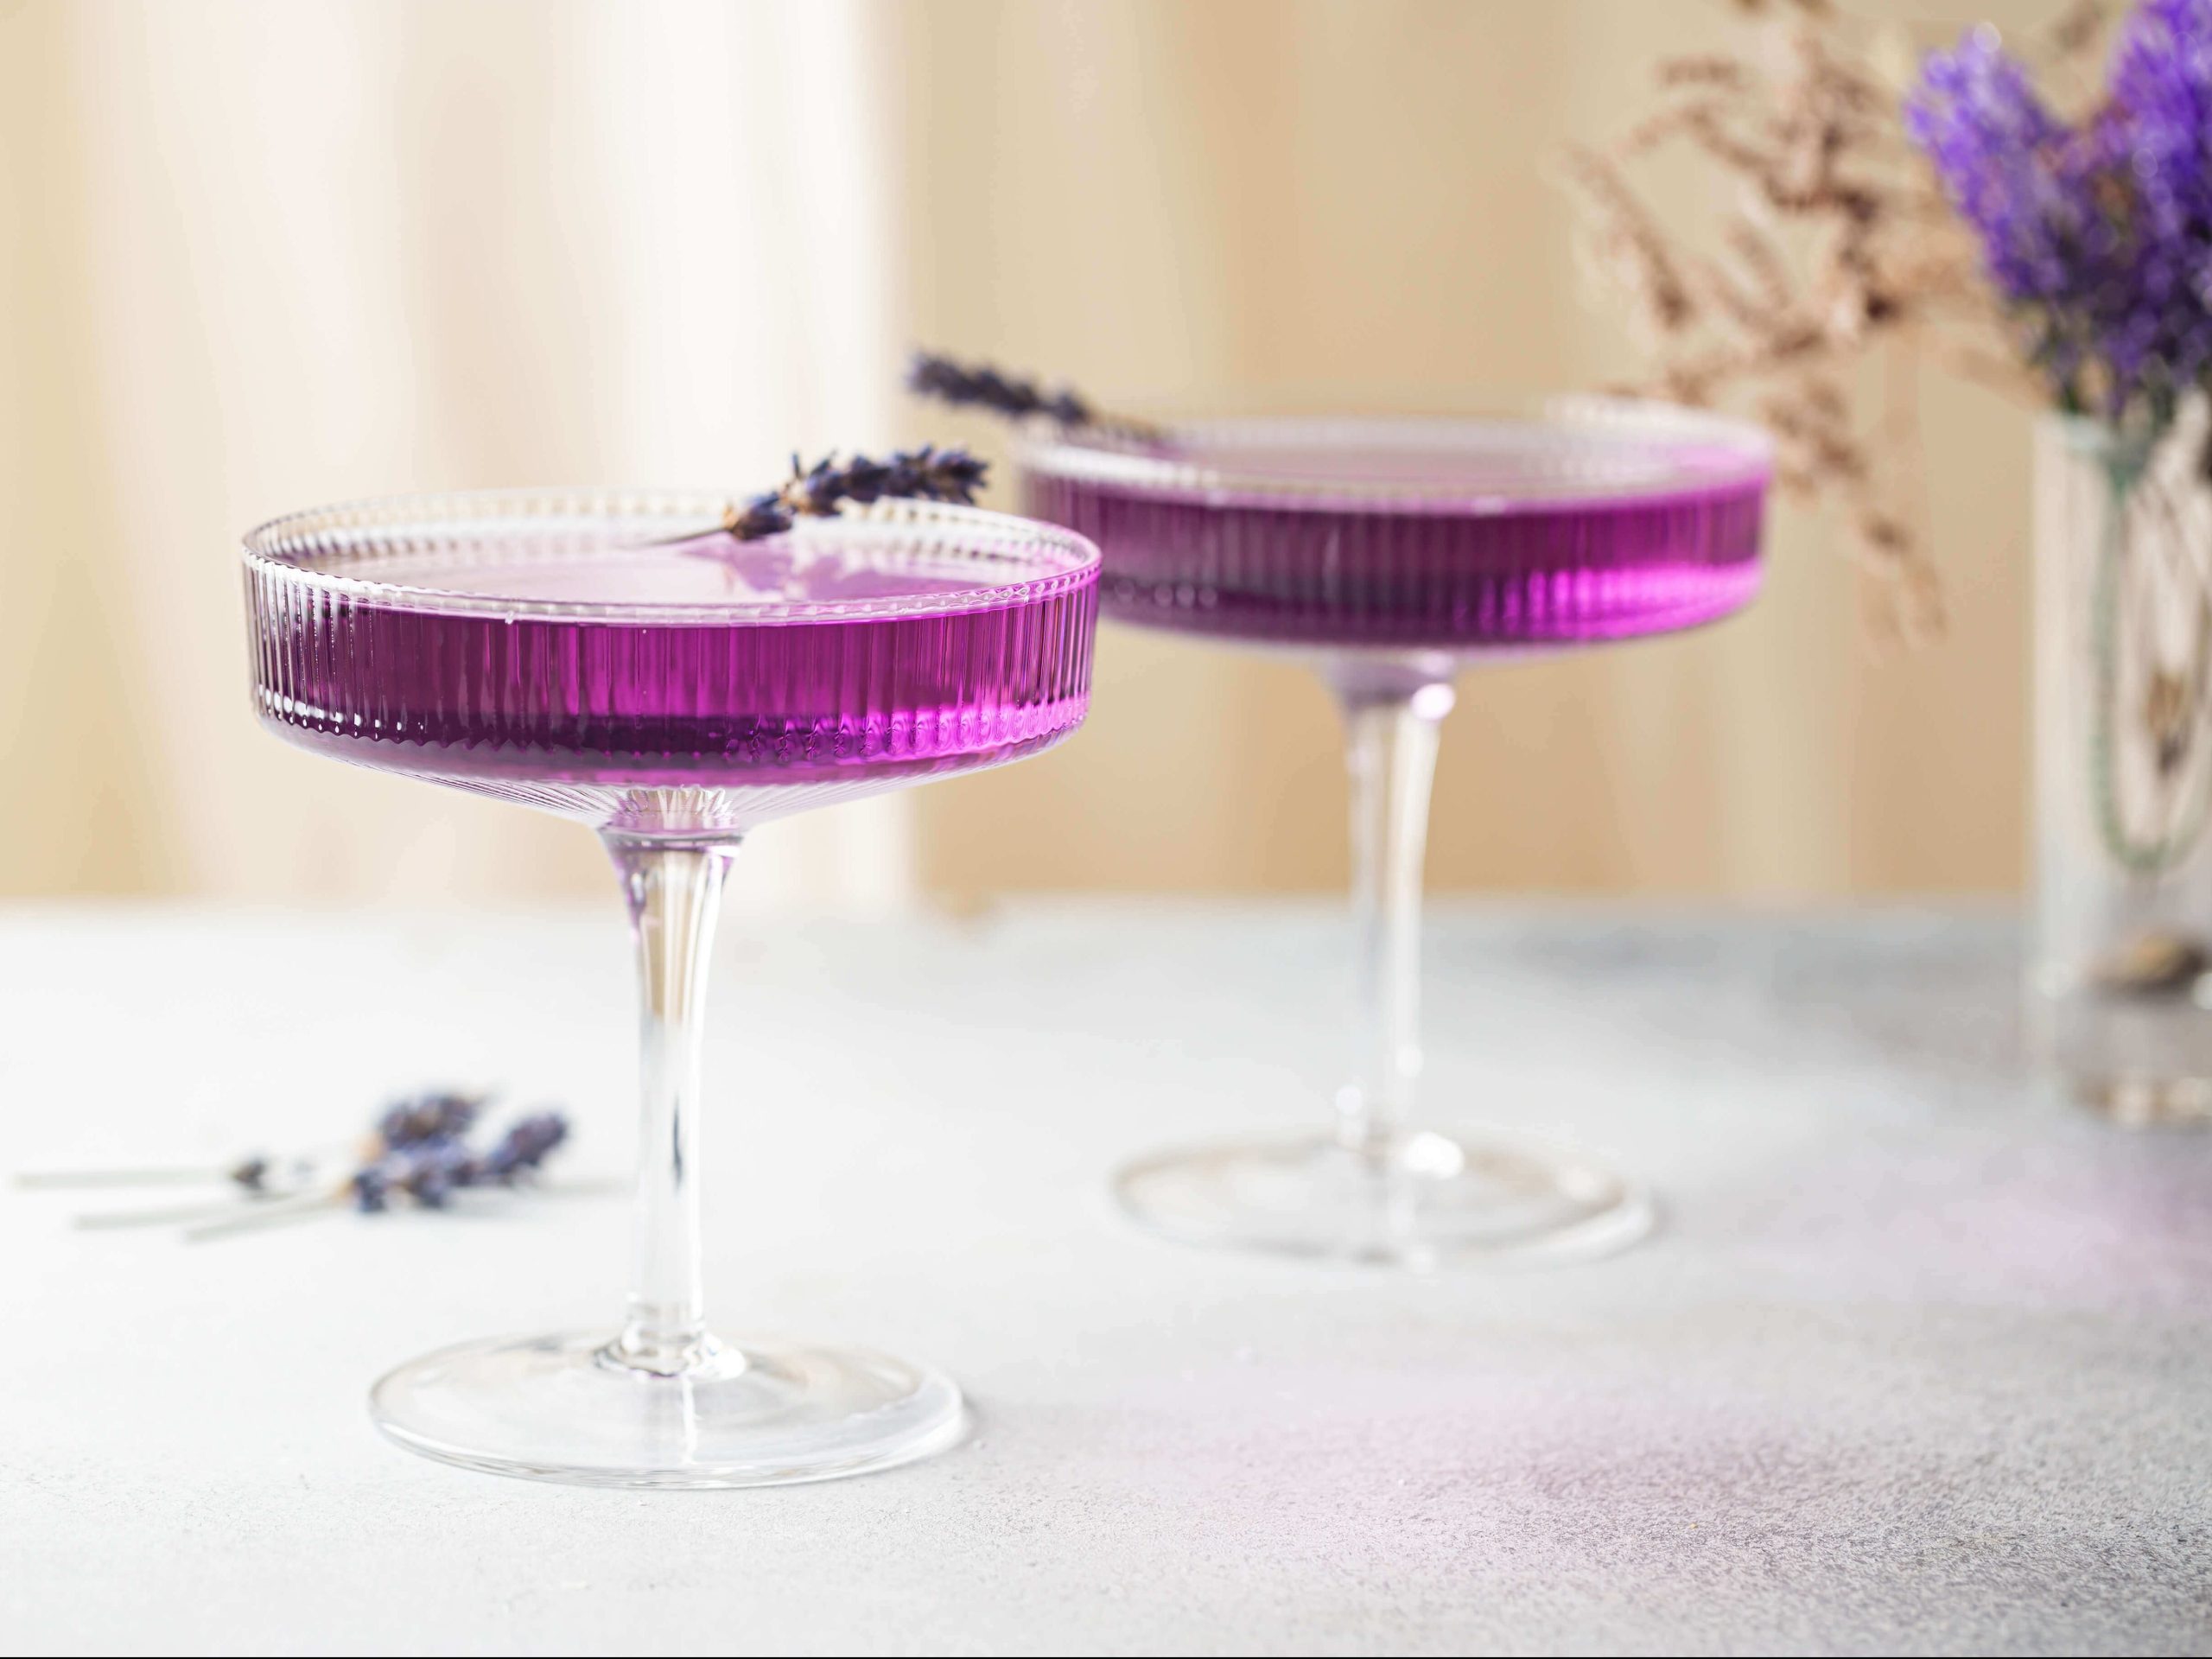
<point x="2095" y="233"/>
<point x="2095" y="238"/>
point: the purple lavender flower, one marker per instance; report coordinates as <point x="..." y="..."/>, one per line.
<point x="2097" y="236"/>
<point x="430" y="1172"/>
<point x="928" y="473"/>
<point x="764" y="515"/>
<point x="523" y="1147"/>
<point x="372" y="1188"/>
<point x="427" y="1117"/>
<point x="2000" y="154"/>
<point x="2161" y="123"/>
<point x="429" y="1169"/>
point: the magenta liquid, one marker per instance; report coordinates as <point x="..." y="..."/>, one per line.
<point x="1413" y="535"/>
<point x="575" y="656"/>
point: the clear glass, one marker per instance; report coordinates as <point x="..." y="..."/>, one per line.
<point x="612" y="658"/>
<point x="2120" y="983"/>
<point x="1393" y="554"/>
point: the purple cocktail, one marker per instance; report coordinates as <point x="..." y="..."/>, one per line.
<point x="1438" y="536"/>
<point x="613" y="659"/>
<point x="1392" y="554"/>
<point x="566" y="665"/>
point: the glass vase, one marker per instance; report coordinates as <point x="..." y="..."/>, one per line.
<point x="2121" y="975"/>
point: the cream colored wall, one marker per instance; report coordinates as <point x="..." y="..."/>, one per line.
<point x="264" y="253"/>
<point x="259" y="252"/>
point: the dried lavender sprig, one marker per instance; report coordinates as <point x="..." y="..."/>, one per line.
<point x="418" y="1151"/>
<point x="821" y="491"/>
<point x="406" y="1121"/>
<point x="979" y="385"/>
<point x="430" y="1170"/>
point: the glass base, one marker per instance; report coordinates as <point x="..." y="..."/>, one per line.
<point x="563" y="1408"/>
<point x="1422" y="1200"/>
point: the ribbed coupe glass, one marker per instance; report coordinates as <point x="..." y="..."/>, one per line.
<point x="1392" y="554"/>
<point x="612" y="656"/>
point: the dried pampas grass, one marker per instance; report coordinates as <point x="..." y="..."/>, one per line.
<point x="1829" y="269"/>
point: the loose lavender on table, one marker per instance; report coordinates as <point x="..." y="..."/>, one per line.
<point x="418" y="1153"/>
<point x="430" y="1169"/>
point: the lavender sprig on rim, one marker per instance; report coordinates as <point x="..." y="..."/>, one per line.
<point x="821" y="491"/>
<point x="979" y="386"/>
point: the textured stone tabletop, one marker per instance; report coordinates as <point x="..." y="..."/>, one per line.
<point x="1918" y="1363"/>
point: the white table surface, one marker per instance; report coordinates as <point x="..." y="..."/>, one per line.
<point x="1920" y="1363"/>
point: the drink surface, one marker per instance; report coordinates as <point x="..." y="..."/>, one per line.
<point x="1419" y="534"/>
<point x="570" y="649"/>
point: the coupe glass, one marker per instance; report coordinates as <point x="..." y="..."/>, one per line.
<point x="612" y="657"/>
<point x="1392" y="554"/>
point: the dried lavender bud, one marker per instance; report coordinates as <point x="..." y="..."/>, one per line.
<point x="427" y="1169"/>
<point x="523" y="1147"/>
<point x="430" y="1172"/>
<point x="764" y="515"/>
<point x="427" y="1117"/>
<point x="371" y="1189"/>
<point x="250" y="1173"/>
<point x="959" y="475"/>
<point x="817" y="489"/>
<point x="865" y="480"/>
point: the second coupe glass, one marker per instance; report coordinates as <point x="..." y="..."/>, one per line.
<point x="1392" y="555"/>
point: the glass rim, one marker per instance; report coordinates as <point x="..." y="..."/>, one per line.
<point x="265" y="550"/>
<point x="1118" y="461"/>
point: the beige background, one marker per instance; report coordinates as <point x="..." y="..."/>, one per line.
<point x="259" y="255"/>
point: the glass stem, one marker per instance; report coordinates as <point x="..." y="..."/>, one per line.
<point x="1392" y="713"/>
<point x="674" y="892"/>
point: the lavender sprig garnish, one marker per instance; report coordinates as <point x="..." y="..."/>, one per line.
<point x="821" y="491"/>
<point x="979" y="386"/>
